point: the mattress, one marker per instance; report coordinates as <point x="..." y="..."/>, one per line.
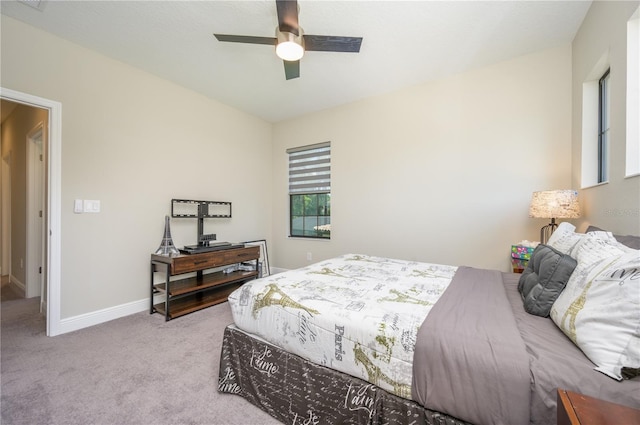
<point x="357" y="314"/>
<point x="293" y="389"/>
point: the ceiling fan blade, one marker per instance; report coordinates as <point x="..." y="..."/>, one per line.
<point x="329" y="43"/>
<point x="246" y="39"/>
<point x="291" y="69"/>
<point x="288" y="15"/>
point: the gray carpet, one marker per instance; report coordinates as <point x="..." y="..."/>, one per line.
<point x="135" y="370"/>
<point x="9" y="292"/>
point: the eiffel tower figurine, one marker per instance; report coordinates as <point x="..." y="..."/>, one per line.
<point x="166" y="246"/>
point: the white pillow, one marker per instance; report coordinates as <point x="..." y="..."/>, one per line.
<point x="564" y="238"/>
<point x="599" y="308"/>
<point x="598" y="235"/>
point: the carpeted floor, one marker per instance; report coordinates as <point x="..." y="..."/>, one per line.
<point x="7" y="291"/>
<point x="134" y="370"/>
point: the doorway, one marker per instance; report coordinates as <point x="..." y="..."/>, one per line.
<point x="35" y="214"/>
<point x="5" y="223"/>
<point x="23" y="195"/>
<point x="44" y="139"/>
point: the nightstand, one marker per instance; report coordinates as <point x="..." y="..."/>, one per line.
<point x="579" y="409"/>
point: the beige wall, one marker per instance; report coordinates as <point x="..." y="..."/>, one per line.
<point x="616" y="205"/>
<point x="134" y="142"/>
<point x="442" y="172"/>
<point x="14" y="133"/>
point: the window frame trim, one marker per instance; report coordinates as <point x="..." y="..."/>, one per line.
<point x="291" y="235"/>
<point x="290" y="194"/>
<point x="604" y="91"/>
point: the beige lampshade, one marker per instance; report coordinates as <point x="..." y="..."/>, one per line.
<point x="555" y="204"/>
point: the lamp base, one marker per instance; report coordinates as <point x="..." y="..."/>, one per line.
<point x="547" y="231"/>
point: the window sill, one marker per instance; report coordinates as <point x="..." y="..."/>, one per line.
<point x="595" y="185"/>
<point x="308" y="238"/>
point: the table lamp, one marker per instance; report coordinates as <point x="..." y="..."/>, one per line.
<point x="553" y="204"/>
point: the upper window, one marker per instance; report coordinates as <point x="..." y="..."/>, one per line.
<point x="595" y="124"/>
<point x="310" y="191"/>
<point x="603" y="127"/>
<point x="633" y="95"/>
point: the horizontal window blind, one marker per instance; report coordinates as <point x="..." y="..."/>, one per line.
<point x="310" y="169"/>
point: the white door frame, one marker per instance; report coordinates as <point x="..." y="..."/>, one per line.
<point x="35" y="210"/>
<point x="54" y="191"/>
<point x="6" y="214"/>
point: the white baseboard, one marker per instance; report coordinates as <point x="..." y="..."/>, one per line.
<point x="21" y="286"/>
<point x="105" y="315"/>
<point x="276" y="270"/>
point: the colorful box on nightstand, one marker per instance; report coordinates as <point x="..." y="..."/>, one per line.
<point x="522" y="252"/>
<point x="520" y="256"/>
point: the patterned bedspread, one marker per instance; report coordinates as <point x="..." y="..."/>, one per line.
<point x="356" y="314"/>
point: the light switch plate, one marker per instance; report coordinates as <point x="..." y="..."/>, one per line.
<point x="78" y="206"/>
<point x="91" y="206"/>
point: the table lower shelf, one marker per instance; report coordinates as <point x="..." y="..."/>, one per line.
<point x="197" y="301"/>
<point x="191" y="284"/>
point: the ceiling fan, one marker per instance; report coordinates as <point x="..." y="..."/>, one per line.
<point x="290" y="41"/>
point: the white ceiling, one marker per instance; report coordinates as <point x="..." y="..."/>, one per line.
<point x="405" y="43"/>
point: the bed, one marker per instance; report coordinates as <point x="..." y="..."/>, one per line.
<point x="363" y="339"/>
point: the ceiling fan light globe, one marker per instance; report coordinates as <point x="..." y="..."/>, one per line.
<point x="290" y="47"/>
<point x="289" y="51"/>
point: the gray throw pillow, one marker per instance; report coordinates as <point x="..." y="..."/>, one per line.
<point x="544" y="279"/>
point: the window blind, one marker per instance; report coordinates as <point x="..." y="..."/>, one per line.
<point x="310" y="169"/>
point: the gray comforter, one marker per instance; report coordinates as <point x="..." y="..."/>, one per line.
<point x="482" y="358"/>
<point x="556" y="362"/>
<point x="470" y="360"/>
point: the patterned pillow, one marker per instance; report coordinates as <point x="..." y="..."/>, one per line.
<point x="626" y="240"/>
<point x="544" y="279"/>
<point x="599" y="309"/>
<point x="564" y="238"/>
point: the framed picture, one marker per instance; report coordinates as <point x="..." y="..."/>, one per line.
<point x="263" y="266"/>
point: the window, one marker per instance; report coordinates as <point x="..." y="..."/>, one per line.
<point x="633" y="95"/>
<point x="603" y="127"/>
<point x="310" y="191"/>
<point x="595" y="124"/>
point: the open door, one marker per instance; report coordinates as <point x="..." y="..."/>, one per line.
<point x="5" y="214"/>
<point x="35" y="213"/>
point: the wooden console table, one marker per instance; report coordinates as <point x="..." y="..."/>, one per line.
<point x="579" y="409"/>
<point x="186" y="295"/>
